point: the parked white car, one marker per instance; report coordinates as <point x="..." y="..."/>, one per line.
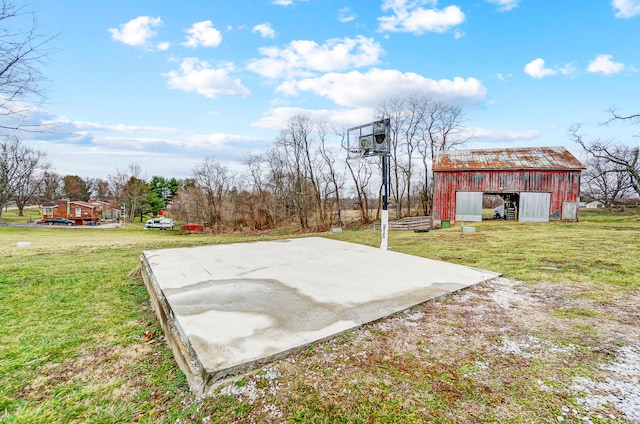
<point x="160" y="223"/>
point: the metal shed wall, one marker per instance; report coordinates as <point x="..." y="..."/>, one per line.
<point x="534" y="207"/>
<point x="564" y="186"/>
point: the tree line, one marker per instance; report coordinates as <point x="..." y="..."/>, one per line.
<point x="27" y="178"/>
<point x="306" y="179"/>
<point x="612" y="168"/>
<point x="303" y="178"/>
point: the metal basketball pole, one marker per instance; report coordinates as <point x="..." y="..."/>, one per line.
<point x="384" y="219"/>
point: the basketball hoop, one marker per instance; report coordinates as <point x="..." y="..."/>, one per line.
<point x="368" y="140"/>
<point x="373" y="140"/>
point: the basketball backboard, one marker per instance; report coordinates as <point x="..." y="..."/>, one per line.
<point x="367" y="140"/>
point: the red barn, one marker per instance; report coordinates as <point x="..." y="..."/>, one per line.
<point x="536" y="184"/>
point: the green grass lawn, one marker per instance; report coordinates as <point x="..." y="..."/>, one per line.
<point x="79" y="342"/>
<point x="29" y="215"/>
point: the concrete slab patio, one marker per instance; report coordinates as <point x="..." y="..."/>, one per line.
<point x="229" y="309"/>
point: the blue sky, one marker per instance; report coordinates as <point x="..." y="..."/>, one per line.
<point x="165" y="84"/>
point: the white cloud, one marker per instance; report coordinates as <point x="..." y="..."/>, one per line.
<point x="137" y="31"/>
<point x="67" y="131"/>
<point x="207" y="141"/>
<point x="97" y="149"/>
<point x="196" y="75"/>
<point x="409" y="16"/>
<point x="356" y="89"/>
<point x="119" y="128"/>
<point x="163" y="46"/>
<point x="265" y="30"/>
<point x="304" y="57"/>
<point x="277" y="118"/>
<point x="536" y="69"/>
<point x="129" y="143"/>
<point x="346" y="15"/>
<point x="567" y="69"/>
<point x="100" y="135"/>
<point x="626" y="8"/>
<point x="505" y="5"/>
<point x="283" y="2"/>
<point x="502" y="136"/>
<point x="203" y="34"/>
<point x="603" y="64"/>
<point x="130" y="137"/>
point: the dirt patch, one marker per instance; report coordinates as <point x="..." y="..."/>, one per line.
<point x="500" y="351"/>
<point x="95" y="371"/>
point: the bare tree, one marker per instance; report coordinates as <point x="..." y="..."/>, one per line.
<point x="361" y="172"/>
<point x="332" y="178"/>
<point x="297" y="179"/>
<point x="443" y="130"/>
<point x="415" y="115"/>
<point x="51" y="188"/>
<point x="624" y="158"/>
<point x="22" y="51"/>
<point x="423" y="125"/>
<point x="129" y="188"/>
<point x="615" y="116"/>
<point x="297" y="148"/>
<point x="117" y="185"/>
<point x="263" y="206"/>
<point x="22" y="170"/>
<point x="215" y="181"/>
<point x="102" y="191"/>
<point x="188" y="205"/>
<point x="605" y="181"/>
<point x="280" y="183"/>
<point x="7" y="171"/>
<point x="395" y="110"/>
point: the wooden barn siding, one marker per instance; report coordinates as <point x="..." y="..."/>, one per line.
<point x="564" y="186"/>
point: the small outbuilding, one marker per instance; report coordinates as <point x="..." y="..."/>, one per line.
<point x="536" y="184"/>
<point x="595" y="204"/>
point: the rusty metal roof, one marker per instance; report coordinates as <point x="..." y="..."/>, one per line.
<point x="548" y="158"/>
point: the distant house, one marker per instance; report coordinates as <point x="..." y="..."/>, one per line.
<point x="107" y="210"/>
<point x="537" y="184"/>
<point x="51" y="210"/>
<point x="83" y="213"/>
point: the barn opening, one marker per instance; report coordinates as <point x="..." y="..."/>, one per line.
<point x="479" y="206"/>
<point x="500" y="206"/>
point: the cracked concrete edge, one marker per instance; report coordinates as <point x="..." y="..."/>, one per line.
<point x="184" y="355"/>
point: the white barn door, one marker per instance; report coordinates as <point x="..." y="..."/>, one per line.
<point x="469" y="206"/>
<point x="534" y="207"/>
